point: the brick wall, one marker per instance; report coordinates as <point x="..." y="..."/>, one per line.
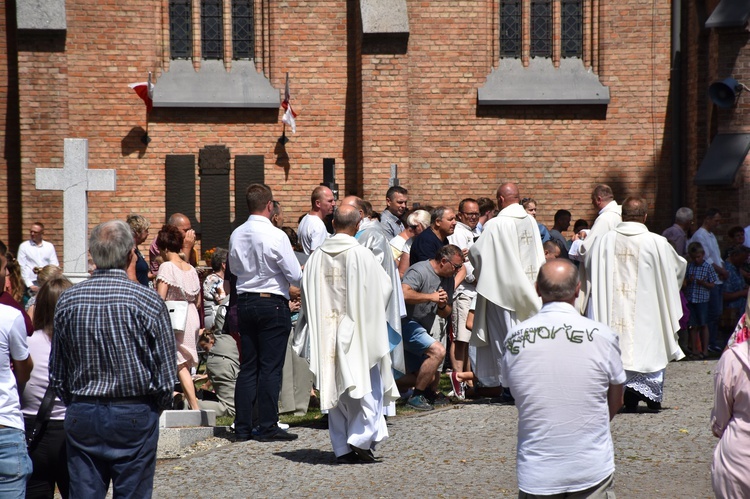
<point x="367" y="111"/>
<point x="712" y="55"/>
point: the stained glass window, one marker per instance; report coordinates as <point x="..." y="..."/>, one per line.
<point x="510" y="29"/>
<point x="541" y="28"/>
<point x="212" y="29"/>
<point x="243" y="29"/>
<point x="180" y="32"/>
<point x="571" y="29"/>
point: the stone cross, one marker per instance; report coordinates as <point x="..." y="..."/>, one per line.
<point x="75" y="180"/>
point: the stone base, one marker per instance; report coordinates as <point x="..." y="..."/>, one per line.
<point x="173" y="440"/>
<point x="183" y="419"/>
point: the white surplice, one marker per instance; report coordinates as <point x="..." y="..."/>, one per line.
<point x="608" y="218"/>
<point x="506" y="260"/>
<point x="342" y="325"/>
<point x="635" y="280"/>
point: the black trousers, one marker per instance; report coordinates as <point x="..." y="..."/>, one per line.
<point x="50" y="463"/>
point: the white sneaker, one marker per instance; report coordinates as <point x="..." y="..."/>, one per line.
<point x="281" y="425"/>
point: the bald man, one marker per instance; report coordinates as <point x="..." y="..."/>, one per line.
<point x="506" y="259"/>
<point x="566" y="375"/>
<point x="182" y="222"/>
<point x="635" y="278"/>
<point x="375" y="239"/>
<point x="312" y="228"/>
<point x="344" y="296"/>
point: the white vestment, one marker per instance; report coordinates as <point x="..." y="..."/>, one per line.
<point x="506" y="260"/>
<point x="342" y="325"/>
<point x="635" y="280"/>
<point x="608" y="218"/>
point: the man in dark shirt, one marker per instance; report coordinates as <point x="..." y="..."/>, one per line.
<point x="426" y="245"/>
<point x="113" y="364"/>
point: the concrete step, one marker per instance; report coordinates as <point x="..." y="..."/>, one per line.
<point x="174" y="440"/>
<point x="183" y="419"/>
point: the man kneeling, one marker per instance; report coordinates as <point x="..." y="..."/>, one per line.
<point x="565" y="373"/>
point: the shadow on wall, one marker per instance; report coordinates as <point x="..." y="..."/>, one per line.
<point x="133" y="142"/>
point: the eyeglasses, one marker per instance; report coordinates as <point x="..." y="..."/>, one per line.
<point x="456" y="268"/>
<point x="470" y="215"/>
<point x="413" y="227"/>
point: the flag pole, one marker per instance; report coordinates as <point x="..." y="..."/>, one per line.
<point x="146" y="139"/>
<point x="283" y="139"/>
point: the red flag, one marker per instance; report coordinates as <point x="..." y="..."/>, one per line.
<point x="289" y="113"/>
<point x="145" y="91"/>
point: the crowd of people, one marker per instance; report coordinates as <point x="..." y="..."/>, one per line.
<point x="358" y="309"/>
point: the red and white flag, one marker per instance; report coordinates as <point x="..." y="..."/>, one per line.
<point x="289" y="113"/>
<point x="145" y="91"/>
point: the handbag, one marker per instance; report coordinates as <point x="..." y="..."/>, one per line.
<point x="177" y="313"/>
<point x="34" y="432"/>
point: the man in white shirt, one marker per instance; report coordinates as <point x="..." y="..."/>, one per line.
<point x="635" y="278"/>
<point x="706" y="236"/>
<point x="36" y="252"/>
<point x="262" y="259"/>
<point x="565" y="373"/>
<point x="463" y="237"/>
<point x="312" y="228"/>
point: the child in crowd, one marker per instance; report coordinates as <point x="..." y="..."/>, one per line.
<point x="700" y="278"/>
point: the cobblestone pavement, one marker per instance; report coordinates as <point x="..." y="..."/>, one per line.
<point x="465" y="450"/>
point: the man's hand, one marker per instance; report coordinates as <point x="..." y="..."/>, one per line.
<point x="188" y="242"/>
<point x="441" y="297"/>
<point x="294" y="293"/>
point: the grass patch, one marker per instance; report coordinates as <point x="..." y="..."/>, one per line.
<point x="313" y="416"/>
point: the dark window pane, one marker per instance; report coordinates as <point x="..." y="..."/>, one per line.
<point x="510" y="28"/>
<point x="572" y="28"/>
<point x="212" y="29"/>
<point x="180" y="34"/>
<point x="243" y="29"/>
<point x="541" y="28"/>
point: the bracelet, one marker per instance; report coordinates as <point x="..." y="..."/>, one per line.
<point x="443" y="307"/>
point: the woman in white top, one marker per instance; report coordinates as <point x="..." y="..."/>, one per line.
<point x="416" y="222"/>
<point x="48" y="456"/>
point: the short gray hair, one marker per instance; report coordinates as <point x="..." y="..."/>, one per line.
<point x="560" y="285"/>
<point x="110" y="244"/>
<point x="437" y="213"/>
<point x="683" y="215"/>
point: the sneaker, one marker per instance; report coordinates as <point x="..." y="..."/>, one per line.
<point x="715" y="349"/>
<point x="419" y="403"/>
<point x="458" y="387"/>
<point x="440" y="399"/>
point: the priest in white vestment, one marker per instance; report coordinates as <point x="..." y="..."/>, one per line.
<point x="506" y="260"/>
<point x="344" y="297"/>
<point x="610" y="214"/>
<point x="635" y="278"/>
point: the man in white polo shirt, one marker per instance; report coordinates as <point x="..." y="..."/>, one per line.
<point x="36" y="252"/>
<point x="566" y="375"/>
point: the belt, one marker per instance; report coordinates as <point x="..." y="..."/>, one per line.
<point x="112" y="400"/>
<point x="265" y="295"/>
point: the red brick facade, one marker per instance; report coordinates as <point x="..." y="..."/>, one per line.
<point x="417" y="109"/>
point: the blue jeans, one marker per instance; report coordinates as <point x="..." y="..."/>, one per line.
<point x="264" y="324"/>
<point x="715" y="309"/>
<point x="114" y="442"/>
<point x="15" y="463"/>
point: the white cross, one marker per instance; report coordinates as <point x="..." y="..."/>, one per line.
<point x="75" y="180"/>
<point x="623" y="256"/>
<point x="531" y="273"/>
<point x="625" y="290"/>
<point x="332" y="275"/>
<point x="526" y="238"/>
